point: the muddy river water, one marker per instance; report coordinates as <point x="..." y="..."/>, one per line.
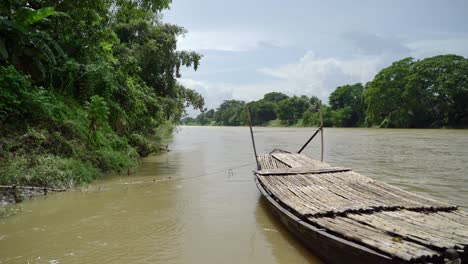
<point x="198" y="203"/>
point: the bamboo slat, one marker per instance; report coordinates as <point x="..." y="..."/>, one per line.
<point x="298" y="160"/>
<point x="340" y="191"/>
<point x="425" y="228"/>
<point x="375" y="238"/>
<point x="300" y="170"/>
<point x="269" y="162"/>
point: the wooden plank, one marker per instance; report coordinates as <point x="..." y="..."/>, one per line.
<point x="300" y="170"/>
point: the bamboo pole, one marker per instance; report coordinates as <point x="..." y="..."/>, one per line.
<point x="321" y="132"/>
<point x="310" y="139"/>
<point x="252" y="136"/>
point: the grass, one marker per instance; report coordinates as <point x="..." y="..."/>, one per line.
<point x="46" y="170"/>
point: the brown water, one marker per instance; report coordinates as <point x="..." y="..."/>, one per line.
<point x="199" y="211"/>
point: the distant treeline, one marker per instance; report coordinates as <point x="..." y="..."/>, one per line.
<point x="428" y="93"/>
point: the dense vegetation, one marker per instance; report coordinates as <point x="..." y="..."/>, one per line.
<point x="428" y="93"/>
<point x="86" y="86"/>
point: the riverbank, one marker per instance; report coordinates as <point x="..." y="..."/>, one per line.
<point x="60" y="154"/>
<point x="16" y="194"/>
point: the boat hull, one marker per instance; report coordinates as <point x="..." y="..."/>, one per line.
<point x="328" y="247"/>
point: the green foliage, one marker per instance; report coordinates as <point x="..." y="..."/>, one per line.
<point x="261" y="112"/>
<point x="204" y="118"/>
<point x="314" y="104"/>
<point x="292" y="109"/>
<point x="108" y="159"/>
<point x="23" y="45"/>
<point x="426" y="93"/>
<point x="93" y="82"/>
<point x="384" y="92"/>
<point x="348" y="103"/>
<point x="230" y="113"/>
<point x="98" y="114"/>
<point x="14" y="88"/>
<point x="312" y="118"/>
<point x="343" y="117"/>
<point x="275" y="97"/>
<point x="27" y="16"/>
<point x="143" y="145"/>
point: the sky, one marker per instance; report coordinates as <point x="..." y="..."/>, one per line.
<point x="308" y="47"/>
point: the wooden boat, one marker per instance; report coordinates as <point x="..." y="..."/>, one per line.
<point x="344" y="217"/>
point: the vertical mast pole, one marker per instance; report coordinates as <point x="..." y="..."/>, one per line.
<point x="321" y="132"/>
<point x="252" y="136"/>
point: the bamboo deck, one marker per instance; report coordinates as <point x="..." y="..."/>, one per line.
<point x="385" y="218"/>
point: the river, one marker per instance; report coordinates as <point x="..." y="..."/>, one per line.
<point x="198" y="203"/>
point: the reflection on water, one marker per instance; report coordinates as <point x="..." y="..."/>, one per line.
<point x="197" y="210"/>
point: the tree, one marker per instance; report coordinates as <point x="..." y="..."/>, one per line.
<point x="314" y="104"/>
<point x="432" y="92"/>
<point x="348" y="102"/>
<point x="313" y="118"/>
<point x="275" y="97"/>
<point x="188" y="120"/>
<point x="292" y="109"/>
<point x="22" y="42"/>
<point x="205" y="117"/>
<point x="210" y="113"/>
<point x="229" y="113"/>
<point x="383" y="96"/>
<point x="261" y="112"/>
<point x="437" y="91"/>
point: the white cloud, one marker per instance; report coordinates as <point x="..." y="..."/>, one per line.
<point x="313" y="75"/>
<point x="226" y="40"/>
<point x="212" y="93"/>
<point x="449" y="44"/>
<point x="215" y="93"/>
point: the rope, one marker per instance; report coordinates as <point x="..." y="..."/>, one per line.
<point x="212" y="173"/>
<point x="169" y="179"/>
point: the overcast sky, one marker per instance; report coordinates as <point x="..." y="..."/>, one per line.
<point x="308" y="47"/>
